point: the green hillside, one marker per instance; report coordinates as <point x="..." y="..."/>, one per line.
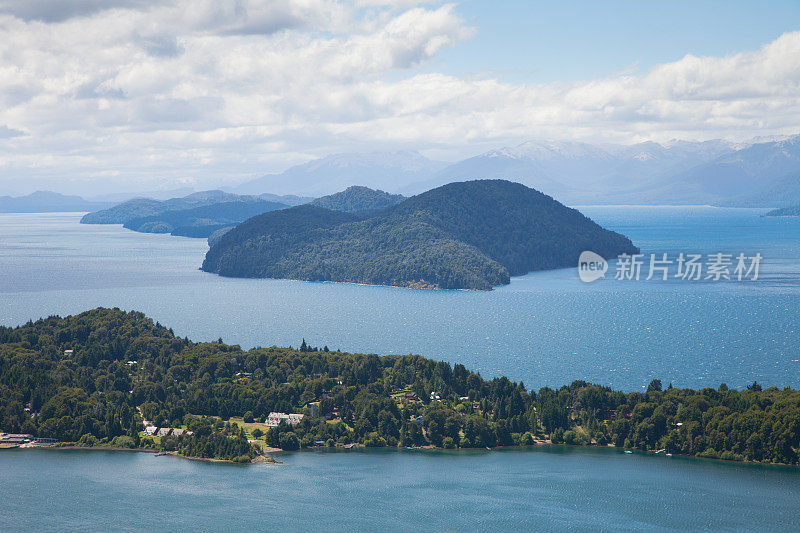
<point x="470" y="235"/>
<point x="201" y="221"/>
<point x="124" y="369"/>
<point x="358" y="199"/>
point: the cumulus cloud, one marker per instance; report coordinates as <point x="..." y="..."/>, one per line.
<point x="60" y="10"/>
<point x="119" y="92"/>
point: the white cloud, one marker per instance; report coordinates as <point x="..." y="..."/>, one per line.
<point x="133" y="92"/>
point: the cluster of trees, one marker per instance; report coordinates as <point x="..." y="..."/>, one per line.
<point x="196" y="215"/>
<point x="470" y="235"/>
<point x="359" y="199"/>
<point x="98" y="393"/>
<point x="202" y="221"/>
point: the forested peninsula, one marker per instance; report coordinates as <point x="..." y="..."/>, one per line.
<point x="94" y="378"/>
<point x="468" y="235"/>
<point x="196" y="215"/>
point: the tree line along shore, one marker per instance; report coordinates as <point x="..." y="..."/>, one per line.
<point x="92" y="379"/>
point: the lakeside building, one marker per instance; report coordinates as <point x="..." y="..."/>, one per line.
<point x="275" y="419"/>
<point x="16" y="438"/>
<point x="155" y="431"/>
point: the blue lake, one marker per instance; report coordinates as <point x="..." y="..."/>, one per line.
<point x="549" y="488"/>
<point x="546" y="328"/>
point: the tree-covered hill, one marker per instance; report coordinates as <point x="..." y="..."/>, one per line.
<point x="121" y="213"/>
<point x="358" y="199"/>
<point x="124" y="368"/>
<point x="313" y="243"/>
<point x="519" y="227"/>
<point x="470" y="235"/>
<point x="201" y="221"/>
<point x="145" y="207"/>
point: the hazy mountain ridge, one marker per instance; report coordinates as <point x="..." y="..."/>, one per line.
<point x="202" y="221"/>
<point x="579" y="173"/>
<point x="148" y="207"/>
<point x="379" y="170"/>
<point x="715" y="172"/>
<point x="470" y="235"/>
<point x="47" y="201"/>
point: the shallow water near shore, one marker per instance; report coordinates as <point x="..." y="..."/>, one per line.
<point x="546" y="488"/>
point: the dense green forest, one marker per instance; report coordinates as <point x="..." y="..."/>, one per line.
<point x="147" y="207"/>
<point x="201" y="221"/>
<point x="470" y="235"/>
<point x="124" y="368"/>
<point x="359" y="199"/>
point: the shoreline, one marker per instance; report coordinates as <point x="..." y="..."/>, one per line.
<point x="259" y="459"/>
<point x="265" y="458"/>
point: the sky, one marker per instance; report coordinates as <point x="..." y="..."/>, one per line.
<point x="129" y="95"/>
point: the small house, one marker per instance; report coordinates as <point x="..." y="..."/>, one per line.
<point x="274" y="419"/>
<point x="16" y="438"/>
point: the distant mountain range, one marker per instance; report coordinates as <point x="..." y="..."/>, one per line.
<point x="761" y="173"/>
<point x="470" y="235"/>
<point x="196" y="215"/>
<point x="379" y="170"/>
<point x="713" y="172"/>
<point x="46" y="201"/>
<point x="758" y="173"/>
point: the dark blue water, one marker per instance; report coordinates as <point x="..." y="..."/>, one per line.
<point x="546" y="328"/>
<point x="544" y="489"/>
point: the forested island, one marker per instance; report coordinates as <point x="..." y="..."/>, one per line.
<point x="92" y="379"/>
<point x="201" y="221"/>
<point x="196" y="215"/>
<point x="469" y="235"/>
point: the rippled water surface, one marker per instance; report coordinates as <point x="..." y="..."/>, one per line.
<point x="546" y="328"/>
<point x="554" y="488"/>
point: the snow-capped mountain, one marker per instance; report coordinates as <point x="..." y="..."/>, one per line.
<point x="758" y="173"/>
<point x="378" y="170"/>
<point x="577" y="172"/>
<point x="682" y="172"/>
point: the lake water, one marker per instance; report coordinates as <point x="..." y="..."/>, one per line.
<point x="552" y="488"/>
<point x="546" y="328"/>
